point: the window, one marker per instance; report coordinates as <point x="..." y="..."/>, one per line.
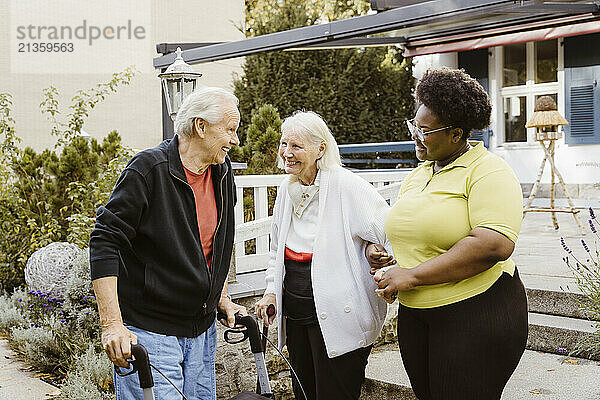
<point x="546" y="61"/>
<point x="514" y="119"/>
<point x="515" y="67"/>
<point x="529" y="70"/>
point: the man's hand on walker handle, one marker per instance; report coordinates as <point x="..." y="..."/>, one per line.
<point x="117" y="341"/>
<point x="260" y="308"/>
<point x="392" y="280"/>
<point x="229" y="308"/>
<point x="378" y="257"/>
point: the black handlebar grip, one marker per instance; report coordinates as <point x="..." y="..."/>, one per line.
<point x="143" y="365"/>
<point x="253" y="333"/>
<point x="271" y="310"/>
<point x="252" y="328"/>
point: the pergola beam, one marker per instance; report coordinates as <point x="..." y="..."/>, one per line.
<point x="562" y="8"/>
<point x="166" y="48"/>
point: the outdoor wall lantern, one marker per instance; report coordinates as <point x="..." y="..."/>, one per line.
<point x="179" y="80"/>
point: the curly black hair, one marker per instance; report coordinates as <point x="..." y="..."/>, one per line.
<point x="455" y="98"/>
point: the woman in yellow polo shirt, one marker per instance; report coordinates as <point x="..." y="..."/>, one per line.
<point x="462" y="319"/>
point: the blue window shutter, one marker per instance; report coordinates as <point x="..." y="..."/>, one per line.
<point x="582" y="110"/>
<point x="582" y="94"/>
<point x="582" y="105"/>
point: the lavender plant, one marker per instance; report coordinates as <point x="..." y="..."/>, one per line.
<point x="90" y="379"/>
<point x="586" y="270"/>
<point x="37" y="346"/>
<point x="10" y="313"/>
<point x="54" y="333"/>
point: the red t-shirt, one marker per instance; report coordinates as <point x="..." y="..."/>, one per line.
<point x="290" y="254"/>
<point x="206" y="208"/>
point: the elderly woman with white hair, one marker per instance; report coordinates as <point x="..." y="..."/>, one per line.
<point x="318" y="277"/>
<point x="161" y="248"/>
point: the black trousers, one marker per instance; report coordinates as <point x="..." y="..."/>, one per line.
<point x="323" y="378"/>
<point x="466" y="350"/>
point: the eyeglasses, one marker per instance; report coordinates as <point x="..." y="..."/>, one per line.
<point x="418" y="132"/>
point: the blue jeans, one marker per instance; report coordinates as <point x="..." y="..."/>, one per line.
<point x="188" y="362"/>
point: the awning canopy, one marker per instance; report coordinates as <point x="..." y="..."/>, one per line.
<point x="450" y="24"/>
<point x="558" y="28"/>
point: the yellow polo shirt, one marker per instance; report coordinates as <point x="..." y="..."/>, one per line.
<point x="434" y="211"/>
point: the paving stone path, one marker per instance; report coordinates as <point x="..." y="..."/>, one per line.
<point x="539" y="253"/>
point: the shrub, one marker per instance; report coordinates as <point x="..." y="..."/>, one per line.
<point x="60" y="335"/>
<point x="37" y="345"/>
<point x="364" y="94"/>
<point x="10" y="312"/>
<point x="262" y="142"/>
<point x="586" y="270"/>
<point x="51" y="331"/>
<point x="90" y="379"/>
<point x="53" y="195"/>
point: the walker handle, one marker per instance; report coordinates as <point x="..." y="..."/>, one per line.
<point x="139" y="364"/>
<point x="143" y="365"/>
<point x="251" y="325"/>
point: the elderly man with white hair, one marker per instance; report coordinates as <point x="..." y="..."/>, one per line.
<point x="161" y="249"/>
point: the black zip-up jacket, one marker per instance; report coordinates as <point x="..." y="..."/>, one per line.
<point x="148" y="236"/>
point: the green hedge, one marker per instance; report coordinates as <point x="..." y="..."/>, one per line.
<point x="364" y="94"/>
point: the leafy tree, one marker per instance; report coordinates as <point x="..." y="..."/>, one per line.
<point x="53" y="195"/>
<point x="363" y="94"/>
<point x="262" y="142"/>
<point x="269" y="16"/>
<point x="260" y="153"/>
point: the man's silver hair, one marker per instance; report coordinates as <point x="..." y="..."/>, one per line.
<point x="205" y="103"/>
<point x="311" y="126"/>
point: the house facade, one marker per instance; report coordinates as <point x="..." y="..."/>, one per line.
<point x="515" y="74"/>
<point x="519" y="51"/>
<point x="100" y="38"/>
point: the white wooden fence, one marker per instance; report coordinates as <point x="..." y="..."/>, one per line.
<point x="386" y="182"/>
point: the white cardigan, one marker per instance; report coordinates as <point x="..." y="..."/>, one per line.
<point x="351" y="213"/>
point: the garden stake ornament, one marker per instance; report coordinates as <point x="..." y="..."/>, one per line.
<point x="546" y="119"/>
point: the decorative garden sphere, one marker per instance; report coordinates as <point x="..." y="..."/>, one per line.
<point x="49" y="268"/>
